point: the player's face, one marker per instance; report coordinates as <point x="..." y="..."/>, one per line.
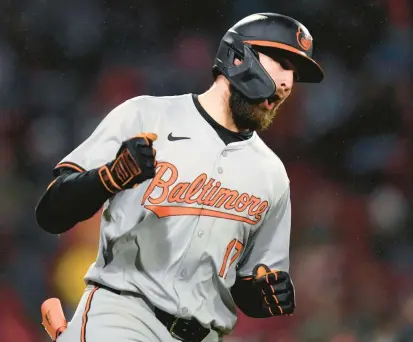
<point x="258" y="117"/>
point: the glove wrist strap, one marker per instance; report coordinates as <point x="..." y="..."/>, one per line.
<point x="118" y="174"/>
<point x="108" y="181"/>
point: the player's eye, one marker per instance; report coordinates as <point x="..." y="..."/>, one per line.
<point x="285" y="64"/>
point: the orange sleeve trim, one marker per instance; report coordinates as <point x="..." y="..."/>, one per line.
<point x="70" y="165"/>
<point x="84" y="317"/>
<point x="51" y="184"/>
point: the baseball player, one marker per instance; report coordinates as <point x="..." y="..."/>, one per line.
<point x="196" y="208"/>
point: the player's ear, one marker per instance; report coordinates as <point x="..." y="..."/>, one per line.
<point x="237" y="62"/>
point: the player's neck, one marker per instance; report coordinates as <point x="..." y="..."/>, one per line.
<point x="215" y="102"/>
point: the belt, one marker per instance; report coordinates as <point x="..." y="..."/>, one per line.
<point x="182" y="329"/>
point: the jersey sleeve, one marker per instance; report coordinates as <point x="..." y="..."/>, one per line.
<point x="122" y="123"/>
<point x="270" y="245"/>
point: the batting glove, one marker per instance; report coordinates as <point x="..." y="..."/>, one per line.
<point x="134" y="163"/>
<point x="277" y="290"/>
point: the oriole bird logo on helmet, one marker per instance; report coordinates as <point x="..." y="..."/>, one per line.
<point x="304" y="40"/>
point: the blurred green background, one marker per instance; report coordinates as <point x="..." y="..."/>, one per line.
<point x="346" y="144"/>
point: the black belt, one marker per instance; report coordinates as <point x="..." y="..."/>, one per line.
<point x="179" y="328"/>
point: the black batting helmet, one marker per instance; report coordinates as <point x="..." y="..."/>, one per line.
<point x="275" y="35"/>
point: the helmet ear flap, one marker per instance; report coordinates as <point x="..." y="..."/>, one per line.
<point x="236" y="51"/>
<point x="228" y="51"/>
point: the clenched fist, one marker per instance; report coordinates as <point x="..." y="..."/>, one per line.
<point x="134" y="163"/>
<point x="277" y="290"/>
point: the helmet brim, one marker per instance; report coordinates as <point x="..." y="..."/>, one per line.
<point x="307" y="69"/>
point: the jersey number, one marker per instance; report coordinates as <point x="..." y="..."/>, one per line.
<point x="234" y="248"/>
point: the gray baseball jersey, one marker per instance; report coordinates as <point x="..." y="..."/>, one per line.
<point x="212" y="211"/>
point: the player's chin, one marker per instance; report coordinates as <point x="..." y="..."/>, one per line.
<point x="263" y="119"/>
<point x="252" y="117"/>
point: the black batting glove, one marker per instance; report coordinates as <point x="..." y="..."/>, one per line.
<point x="277" y="290"/>
<point x="134" y="163"/>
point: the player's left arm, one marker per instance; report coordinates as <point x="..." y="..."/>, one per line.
<point x="264" y="287"/>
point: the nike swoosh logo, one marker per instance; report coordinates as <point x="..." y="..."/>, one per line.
<point x="171" y="138"/>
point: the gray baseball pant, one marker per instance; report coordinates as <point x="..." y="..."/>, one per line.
<point x="103" y="316"/>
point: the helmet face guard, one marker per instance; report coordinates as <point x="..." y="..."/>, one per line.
<point x="278" y="33"/>
<point x="249" y="77"/>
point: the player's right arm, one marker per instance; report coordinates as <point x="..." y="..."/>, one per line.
<point x="114" y="158"/>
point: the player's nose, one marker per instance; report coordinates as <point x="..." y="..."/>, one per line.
<point x="284" y="81"/>
<point x="285" y="88"/>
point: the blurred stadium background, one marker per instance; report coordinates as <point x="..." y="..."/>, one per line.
<point x="346" y="144"/>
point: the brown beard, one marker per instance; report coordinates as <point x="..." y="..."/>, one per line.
<point x="247" y="115"/>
